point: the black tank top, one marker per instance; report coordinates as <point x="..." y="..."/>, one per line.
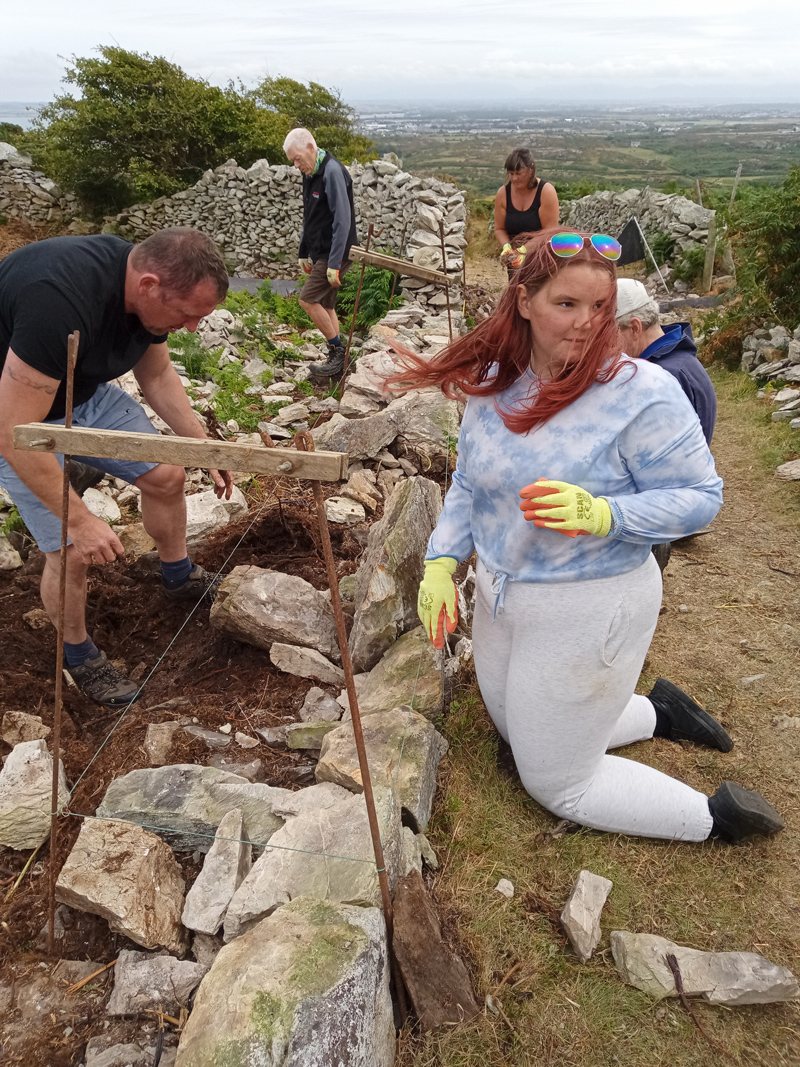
<point x="523" y="221"/>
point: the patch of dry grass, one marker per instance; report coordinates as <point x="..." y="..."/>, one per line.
<point x="742" y="621"/>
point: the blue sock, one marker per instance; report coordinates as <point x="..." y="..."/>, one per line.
<point x="337" y="340"/>
<point x="175" y="574"/>
<point x="75" y="655"/>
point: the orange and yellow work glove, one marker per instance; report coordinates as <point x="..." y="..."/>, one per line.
<point x="566" y="508"/>
<point x="513" y="257"/>
<point x="437" y="599"/>
<point x="333" y="278"/>
<point x="306" y="264"/>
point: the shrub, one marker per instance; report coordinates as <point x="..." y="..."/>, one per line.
<point x="689" y="267"/>
<point x="374" y="302"/>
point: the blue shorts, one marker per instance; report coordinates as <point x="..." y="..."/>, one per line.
<point x="109" y="409"/>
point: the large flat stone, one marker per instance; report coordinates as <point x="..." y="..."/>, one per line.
<point x="403" y="751"/>
<point x="129" y="877"/>
<point x="407" y="674"/>
<point x="143" y="981"/>
<point x="305" y="663"/>
<point x="324" y="851"/>
<point x="308" y="987"/>
<point x="184" y="800"/>
<point x="260" y="606"/>
<point x="26" y="782"/>
<point x="225" y="867"/>
<point x="387" y="582"/>
<point x="18" y="726"/>
<point x="719" y="977"/>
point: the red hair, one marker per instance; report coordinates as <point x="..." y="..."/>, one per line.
<point x="498" y="351"/>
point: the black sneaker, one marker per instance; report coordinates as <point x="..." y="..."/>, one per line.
<point x="681" y="719"/>
<point x="83" y="476"/>
<point x="333" y="365"/>
<point x="101" y="682"/>
<point x="738" y="812"/>
<point x="196" y="585"/>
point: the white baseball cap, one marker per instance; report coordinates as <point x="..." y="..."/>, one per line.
<point x="631" y="295"/>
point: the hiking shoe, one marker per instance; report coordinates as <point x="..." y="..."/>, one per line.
<point x="739" y="812"/>
<point x="679" y="718"/>
<point x="333" y="365"/>
<point x="83" y="476"/>
<point x="101" y="682"/>
<point x="196" y="585"/>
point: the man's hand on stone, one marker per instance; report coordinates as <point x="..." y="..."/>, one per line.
<point x="93" y="539"/>
<point x="223" y="483"/>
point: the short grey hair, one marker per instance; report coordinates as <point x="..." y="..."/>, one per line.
<point x="299" y="137"/>
<point x="647" y="314"/>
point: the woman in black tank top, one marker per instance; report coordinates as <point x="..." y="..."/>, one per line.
<point x="524" y="205"/>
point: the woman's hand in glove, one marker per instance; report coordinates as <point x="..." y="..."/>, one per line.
<point x="437" y="599"/>
<point x="566" y="508"/>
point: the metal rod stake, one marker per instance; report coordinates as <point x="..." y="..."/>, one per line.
<point x="72" y="358"/>
<point x="355" y="308"/>
<point x="305" y="442"/>
<point x="402" y="249"/>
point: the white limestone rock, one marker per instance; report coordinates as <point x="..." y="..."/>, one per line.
<point x="320" y="706"/>
<point x="129" y="877"/>
<point x="344" y="511"/>
<point x="581" y="915"/>
<point x="204" y="514"/>
<point x="225" y="867"/>
<point x="18" y="726"/>
<point x="102" y="506"/>
<point x="305" y="857"/>
<point x="143" y="981"/>
<point x="305" y="663"/>
<point x="10" y="559"/>
<point x="25" y="795"/>
<point x="719" y="977"/>
<point x="308" y="987"/>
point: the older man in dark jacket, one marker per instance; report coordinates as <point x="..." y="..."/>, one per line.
<point x="671" y="347"/>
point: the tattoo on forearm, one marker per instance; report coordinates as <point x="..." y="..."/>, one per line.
<point x="47" y="388"/>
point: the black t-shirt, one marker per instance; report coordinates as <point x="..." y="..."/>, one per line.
<point x="50" y="288"/>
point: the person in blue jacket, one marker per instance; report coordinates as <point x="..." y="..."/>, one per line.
<point x="573" y="459"/>
<point x="671" y="347"/>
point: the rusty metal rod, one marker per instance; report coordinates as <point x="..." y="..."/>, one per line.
<point x="447" y="287"/>
<point x="358" y="298"/>
<point x="305" y="442"/>
<point x="402" y="249"/>
<point x="72" y="358"/>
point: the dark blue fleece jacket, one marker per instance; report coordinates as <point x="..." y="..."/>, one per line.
<point x="676" y="352"/>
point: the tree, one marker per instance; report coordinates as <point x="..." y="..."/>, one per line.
<point x="141" y="128"/>
<point x="321" y="111"/>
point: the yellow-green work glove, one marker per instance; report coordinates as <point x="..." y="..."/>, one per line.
<point x="437" y="599"/>
<point x="566" y="508"/>
<point x="305" y="264"/>
<point x="513" y="257"/>
<point x="333" y="278"/>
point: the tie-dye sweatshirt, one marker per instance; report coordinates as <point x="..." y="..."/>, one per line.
<point x="635" y="440"/>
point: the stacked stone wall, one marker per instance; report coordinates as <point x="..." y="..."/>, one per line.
<point x="255" y="216"/>
<point x="27" y="194"/>
<point x="608" y="212"/>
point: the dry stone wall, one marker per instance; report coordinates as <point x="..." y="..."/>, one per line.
<point x="27" y="194"/>
<point x="607" y="212"/>
<point x="255" y="216"/>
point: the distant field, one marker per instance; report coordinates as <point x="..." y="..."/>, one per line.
<point x="710" y="151"/>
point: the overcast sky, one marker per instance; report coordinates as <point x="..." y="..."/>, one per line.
<point x="520" y="52"/>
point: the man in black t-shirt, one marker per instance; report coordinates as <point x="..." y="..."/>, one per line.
<point x="124" y="300"/>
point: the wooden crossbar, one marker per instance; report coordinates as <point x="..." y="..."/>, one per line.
<point x="399" y="266"/>
<point x="181" y="451"/>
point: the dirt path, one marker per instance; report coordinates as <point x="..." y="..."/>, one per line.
<point x="731" y="612"/>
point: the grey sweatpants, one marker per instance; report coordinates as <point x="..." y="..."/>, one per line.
<point x="557" y="669"/>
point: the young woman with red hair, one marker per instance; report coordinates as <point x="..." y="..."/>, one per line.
<point x="572" y="461"/>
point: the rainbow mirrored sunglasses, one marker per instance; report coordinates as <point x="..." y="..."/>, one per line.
<point x="569" y="244"/>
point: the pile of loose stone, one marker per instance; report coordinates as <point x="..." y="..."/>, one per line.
<point x="772" y="354"/>
<point x="607" y="212"/>
<point x="255" y="216"/>
<point x="27" y="194"/>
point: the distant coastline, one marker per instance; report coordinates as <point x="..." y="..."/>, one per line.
<point x="20" y="112"/>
